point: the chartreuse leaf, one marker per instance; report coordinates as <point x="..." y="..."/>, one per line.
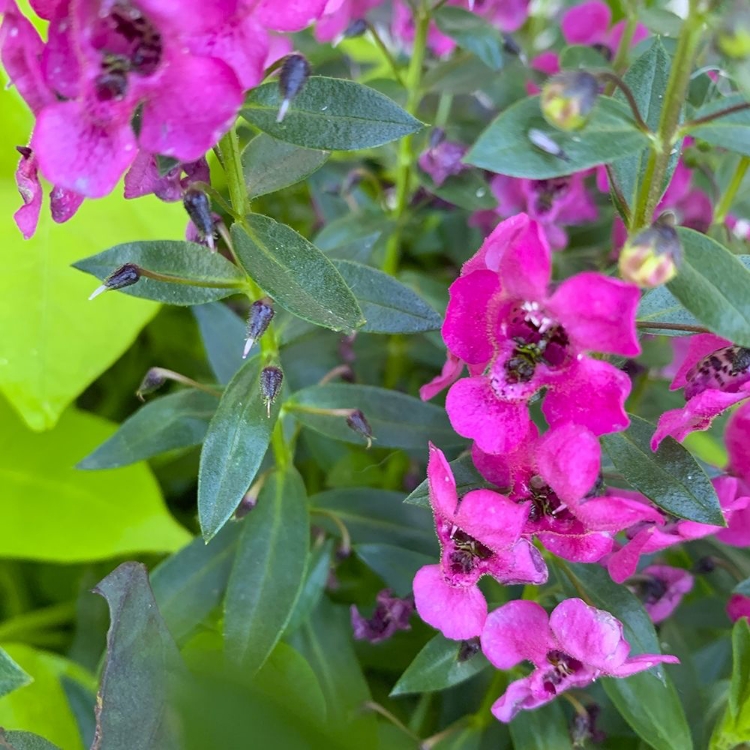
<point x="505" y="147"/>
<point x="40" y="706"/>
<point x="473" y="33"/>
<point x="223" y="334"/>
<point x="731" y="131"/>
<point x="178" y="420"/>
<point x="670" y="477"/>
<point x="24" y="741"/>
<point x="734" y="727"/>
<point x="132" y="707"/>
<point x="210" y="275"/>
<point x="387" y="305"/>
<point x="713" y="285"/>
<point x="648" y="701"/>
<point x="236" y="441"/>
<point x="541" y="729"/>
<point x="191" y="583"/>
<point x="330" y="114"/>
<point x="52" y="511"/>
<point x="268" y="570"/>
<point x="295" y="273"/>
<point x="438" y="666"/>
<point x="397" y="420"/>
<point x="270" y="165"/>
<point x="466" y="476"/>
<point x="12" y="676"/>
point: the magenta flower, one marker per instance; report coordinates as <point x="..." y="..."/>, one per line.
<point x="143" y="178"/>
<point x="571" y="648"/>
<point x="738" y="606"/>
<point x="479" y="534"/>
<point x="391" y="614"/>
<point x="559" y="475"/>
<point x="661" y="588"/>
<point x="517" y="336"/>
<point x="590" y="24"/>
<point x="715" y="375"/>
<point x="339" y="14"/>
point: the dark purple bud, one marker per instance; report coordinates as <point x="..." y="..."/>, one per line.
<point x="198" y="207"/>
<point x="705" y="565"/>
<point x="358" y="422"/>
<point x="25" y="151"/>
<point x="583" y="728"/>
<point x="511" y="46"/>
<point x="468" y="649"/>
<point x="152" y="381"/>
<point x="294" y="72"/>
<point x="270" y="385"/>
<point x="248" y="502"/>
<point x="260" y="317"/>
<point x="391" y="614"/>
<point x="355" y="28"/>
<point x="126" y="275"/>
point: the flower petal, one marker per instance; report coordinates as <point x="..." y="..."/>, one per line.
<point x="291" y="15"/>
<point x="521" y="564"/>
<point x="491" y="518"/>
<point x="586" y="23"/>
<point x="700" y="346"/>
<point x="520" y="695"/>
<point x="30" y="189"/>
<point x="641" y="663"/>
<point x="515" y="632"/>
<point x="450" y="373"/>
<point x="737" y="438"/>
<point x="511" y="470"/>
<point x="585" y="547"/>
<point x="614" y="513"/>
<point x="64" y="204"/>
<point x="442" y="485"/>
<point x="738" y="606"/>
<point x="569" y="459"/>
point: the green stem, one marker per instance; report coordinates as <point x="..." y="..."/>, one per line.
<point x="725" y="204"/>
<point x="671" y="326"/>
<point x="621" y="56"/>
<point x="380" y="44"/>
<point x="229" y="146"/>
<point x="650" y="190"/>
<point x="40" y="619"/>
<point x="406" y="146"/>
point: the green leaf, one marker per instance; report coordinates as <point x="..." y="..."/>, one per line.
<point x="41" y="706"/>
<point x="330" y="114"/>
<point x="183" y="260"/>
<point x="387" y="305"/>
<point x="670" y="477"/>
<point x="223" y="334"/>
<point x="191" y="583"/>
<point x="582" y="56"/>
<point x="373" y="515"/>
<point x="473" y="33"/>
<point x="178" y="420"/>
<point x="437" y="667"/>
<point x="397" y="420"/>
<point x="466" y="476"/>
<point x="270" y="165"/>
<point x="504" y="147"/>
<point x="51" y="511"/>
<point x="12" y="676"/>
<point x="395" y="565"/>
<point x="316" y="580"/>
<point x="647" y="79"/>
<point x="237" y="439"/>
<point x="467" y="190"/>
<point x="542" y="729"/>
<point x="24" y="741"/>
<point x="295" y="273"/>
<point x="713" y="285"/>
<point x="731" y="132"/>
<point x="268" y="570"/>
<point x="132" y="707"/>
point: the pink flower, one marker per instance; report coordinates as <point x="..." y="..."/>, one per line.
<point x="442" y="160"/>
<point x="661" y="588"/>
<point x="517" y="337"/>
<point x="571" y="648"/>
<point x="590" y="24"/>
<point x="143" y="178"/>
<point x="391" y="614"/>
<point x="738" y="606"/>
<point x="479" y="534"/>
<point x="339" y="14"/>
<point x="715" y="375"/>
<point x="559" y="474"/>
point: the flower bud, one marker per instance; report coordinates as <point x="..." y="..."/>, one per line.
<point x="260" y="317"/>
<point x="705" y="565"/>
<point x="468" y="649"/>
<point x="358" y="422"/>
<point x="152" y="381"/>
<point x="198" y="208"/>
<point x="270" y="385"/>
<point x="652" y="257"/>
<point x="294" y="72"/>
<point x="733" y="35"/>
<point x="568" y="99"/>
<point x="126" y="275"/>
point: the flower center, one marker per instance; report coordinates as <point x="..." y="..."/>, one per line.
<point x="546" y="192"/>
<point x="544" y="501"/>
<point x="562" y="666"/>
<point x="725" y="370"/>
<point x="467" y="552"/>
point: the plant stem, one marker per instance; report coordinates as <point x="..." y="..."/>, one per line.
<point x="650" y="189"/>
<point x="617" y="82"/>
<point x="40" y="619"/>
<point x="725" y="204"/>
<point x="406" y="146"/>
<point x="688" y="126"/>
<point x="621" y="57"/>
<point x="229" y="146"/>
<point x="671" y="326"/>
<point x="380" y="44"/>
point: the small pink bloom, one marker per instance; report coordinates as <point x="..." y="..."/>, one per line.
<point x="571" y="648"/>
<point x="738" y="606"/>
<point x="391" y="614"/>
<point x="661" y="588"/>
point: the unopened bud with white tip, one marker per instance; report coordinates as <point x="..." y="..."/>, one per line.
<point x="152" y="381"/>
<point x="271" y="379"/>
<point x="260" y="317"/>
<point x="126" y="275"/>
<point x="198" y="207"/>
<point x="294" y="72"/>
<point x="357" y="421"/>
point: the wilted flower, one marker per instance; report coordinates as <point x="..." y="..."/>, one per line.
<point x="661" y="588"/>
<point x="391" y="614"/>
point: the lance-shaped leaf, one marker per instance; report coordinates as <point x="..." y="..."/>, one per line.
<point x="223" y="334"/>
<point x="236" y="441"/>
<point x="295" y="273"/>
<point x="199" y="275"/>
<point x="473" y="33"/>
<point x="731" y="131"/>
<point x="178" y="420"/>
<point x="670" y="477"/>
<point x="505" y="147"/>
<point x="12" y="676"/>
<point x="466" y="476"/>
<point x="330" y="114"/>
<point x="270" y="165"/>
<point x="397" y="420"/>
<point x="541" y="729"/>
<point x="439" y="665"/>
<point x="132" y="708"/>
<point x="24" y="741"/>
<point x="268" y="570"/>
<point x="714" y="285"/>
<point x="388" y="305"/>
